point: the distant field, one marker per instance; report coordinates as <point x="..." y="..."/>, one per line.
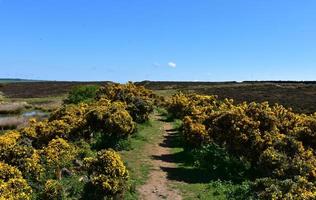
<point x="40" y="89"/>
<point x="301" y="96"/>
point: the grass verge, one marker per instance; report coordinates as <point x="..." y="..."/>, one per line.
<point x="136" y="158"/>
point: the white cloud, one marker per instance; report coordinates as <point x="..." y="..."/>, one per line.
<point x="172" y="64"/>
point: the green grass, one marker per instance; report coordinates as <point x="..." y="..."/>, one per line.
<point x="165" y="93"/>
<point x="192" y="183"/>
<point x="215" y="190"/>
<point x="136" y="158"/>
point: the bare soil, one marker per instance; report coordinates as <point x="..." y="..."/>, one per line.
<point x="158" y="185"/>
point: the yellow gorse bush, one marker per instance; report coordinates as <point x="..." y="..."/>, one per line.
<point x="277" y="142"/>
<point x="12" y="184"/>
<point x="138" y="99"/>
<point x="58" y="153"/>
<point x="24" y="157"/>
<point x="112" y="118"/>
<point x="44" y="149"/>
<point x="107" y="172"/>
<point x="8" y="139"/>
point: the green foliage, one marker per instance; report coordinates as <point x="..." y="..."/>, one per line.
<point x="107" y="173"/>
<point x="139" y="101"/>
<point x="295" y="188"/>
<point x="56" y="158"/>
<point x="80" y="94"/>
<point x="53" y="190"/>
<point x="276" y="142"/>
<point x="111" y="118"/>
<point x="220" y="164"/>
<point x="12" y="184"/>
<point x="1" y="97"/>
<point x="59" y="153"/>
<point x="241" y="192"/>
<point x="110" y="122"/>
<point x="24" y="157"/>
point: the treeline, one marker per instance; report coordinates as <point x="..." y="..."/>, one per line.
<point x="72" y="154"/>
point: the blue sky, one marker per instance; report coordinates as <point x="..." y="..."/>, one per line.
<point x="121" y="40"/>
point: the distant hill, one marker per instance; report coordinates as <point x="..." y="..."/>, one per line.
<point x="156" y="85"/>
<point x="17" y="80"/>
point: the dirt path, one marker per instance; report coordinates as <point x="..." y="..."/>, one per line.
<point x="158" y="185"/>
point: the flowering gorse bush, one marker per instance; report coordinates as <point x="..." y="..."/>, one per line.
<point x="58" y="153"/>
<point x="110" y="118"/>
<point x="277" y="142"/>
<point x="107" y="172"/>
<point x="139" y="101"/>
<point x="12" y="184"/>
<point x="22" y="156"/>
<point x="48" y="153"/>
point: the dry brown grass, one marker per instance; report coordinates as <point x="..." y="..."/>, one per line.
<point x="11" y="122"/>
<point x="12" y="108"/>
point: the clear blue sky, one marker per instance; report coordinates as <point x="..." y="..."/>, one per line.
<point x="121" y="40"/>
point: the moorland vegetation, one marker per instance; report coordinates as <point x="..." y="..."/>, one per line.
<point x="266" y="151"/>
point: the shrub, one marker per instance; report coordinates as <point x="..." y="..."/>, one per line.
<point x="194" y="133"/>
<point x="107" y="173"/>
<point x="220" y="164"/>
<point x="59" y="153"/>
<point x="44" y="149"/>
<point x="111" y="120"/>
<point x="53" y="190"/>
<point x="75" y="117"/>
<point x="296" y="188"/>
<point x="43" y="132"/>
<point x="139" y="100"/>
<point x="181" y="105"/>
<point x="276" y="142"/>
<point x="12" y="184"/>
<point x="241" y="192"/>
<point x="1" y="97"/>
<point x="24" y="157"/>
<point x="68" y="122"/>
<point x="79" y="94"/>
<point x="8" y="139"/>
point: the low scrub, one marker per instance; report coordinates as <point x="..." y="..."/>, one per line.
<point x="140" y="101"/>
<point x="82" y="94"/>
<point x="277" y="144"/>
<point x="66" y="148"/>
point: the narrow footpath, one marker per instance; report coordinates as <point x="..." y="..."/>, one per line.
<point x="158" y="186"/>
